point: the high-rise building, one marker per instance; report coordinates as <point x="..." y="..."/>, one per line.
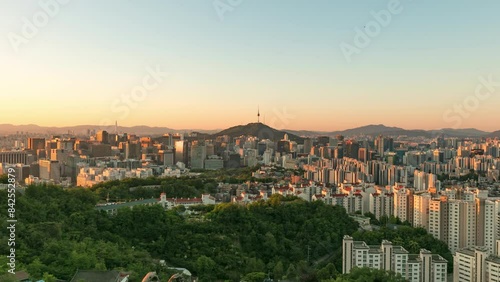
<point x="438" y="218"/>
<point x="438" y="156"/>
<point x="381" y="204"/>
<point x="421" y="203"/>
<point x="16" y="157"/>
<point x="96" y="151"/>
<point x="323" y="140"/>
<point x="103" y="137"/>
<point x="380" y="145"/>
<point x="338" y="153"/>
<point x="283" y="146"/>
<point x="423" y="267"/>
<point x="363" y="154"/>
<point x="167" y="156"/>
<point x="461" y="224"/>
<point x="351" y="149"/>
<point x="36" y="144"/>
<point x="307" y="145"/>
<point x="403" y="204"/>
<point x="214" y="163"/>
<point x="198" y="155"/>
<point x="487" y="223"/>
<point x="132" y="150"/>
<point x="50" y="170"/>
<point x="475" y="264"/>
<point x="181" y="151"/>
<point x="389" y="144"/>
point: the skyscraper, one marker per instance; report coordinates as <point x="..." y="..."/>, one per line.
<point x="198" y="155"/>
<point x="103" y="136"/>
<point x="36" y="144"/>
<point x="351" y="149"/>
<point x="379" y="144"/>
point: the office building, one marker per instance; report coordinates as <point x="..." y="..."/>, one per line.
<point x="16" y="157"/>
<point x="214" y="162"/>
<point x="50" y="170"/>
<point x="198" y="155"/>
<point x="36" y="144"/>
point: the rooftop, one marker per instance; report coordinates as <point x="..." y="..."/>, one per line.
<point x="360" y="245"/>
<point x="127" y="204"/>
<point x="438" y="258"/>
<point x="399" y="250"/>
<point x="468" y="252"/>
<point x="413" y="258"/>
<point x="493" y="259"/>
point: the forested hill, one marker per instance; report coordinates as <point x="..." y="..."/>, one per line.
<point x="59" y="231"/>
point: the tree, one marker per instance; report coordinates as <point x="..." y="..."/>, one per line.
<point x="4" y="267"/>
<point x="4" y="179"/>
<point x="205" y="267"/>
<point x="413" y="247"/>
<point x="8" y="278"/>
<point x="36" y="269"/>
<point x="49" y="277"/>
<point x="278" y="271"/>
<point x="60" y="231"/>
<point x="255" y="265"/>
<point x="291" y="272"/>
<point x="254" y="277"/>
<point x="329" y="271"/>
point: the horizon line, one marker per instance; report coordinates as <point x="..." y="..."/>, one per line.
<point x="284" y="129"/>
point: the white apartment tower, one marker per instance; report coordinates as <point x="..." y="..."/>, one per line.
<point x="461" y="224"/>
<point x="490" y="229"/>
<point x="438" y="218"/>
<point x="423" y="267"/>
<point x="476" y="265"/>
<point x="403" y="204"/>
<point x="421" y="204"/>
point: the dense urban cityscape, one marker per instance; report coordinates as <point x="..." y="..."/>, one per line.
<point x="249" y="141"/>
<point x="447" y="187"/>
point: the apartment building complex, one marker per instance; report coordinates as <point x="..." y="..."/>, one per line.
<point x="423" y="267"/>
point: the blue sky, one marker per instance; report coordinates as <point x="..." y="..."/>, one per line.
<point x="275" y="54"/>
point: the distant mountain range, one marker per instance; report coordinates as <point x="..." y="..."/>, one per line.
<point x="373" y="130"/>
<point x="82" y="129"/>
<point x="255" y="129"/>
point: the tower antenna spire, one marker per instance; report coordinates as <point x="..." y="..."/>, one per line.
<point x="258" y="114"/>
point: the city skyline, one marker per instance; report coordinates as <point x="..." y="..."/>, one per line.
<point x="111" y="128"/>
<point x="250" y="140"/>
<point x="213" y="67"/>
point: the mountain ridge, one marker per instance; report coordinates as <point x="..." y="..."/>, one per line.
<point x="259" y="130"/>
<point x="255" y="128"/>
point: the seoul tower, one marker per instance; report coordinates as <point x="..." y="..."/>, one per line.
<point x="258" y="114"/>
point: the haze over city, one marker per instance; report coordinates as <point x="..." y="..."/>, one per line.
<point x="249" y="141"/>
<point x="223" y="65"/>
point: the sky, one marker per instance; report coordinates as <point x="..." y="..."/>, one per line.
<point x="210" y="64"/>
